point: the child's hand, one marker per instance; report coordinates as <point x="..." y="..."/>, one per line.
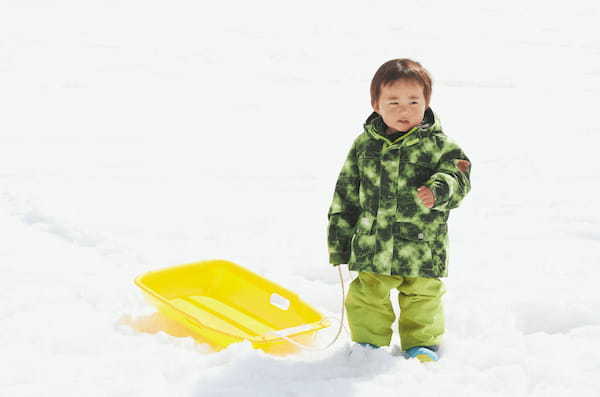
<point x="426" y="196"/>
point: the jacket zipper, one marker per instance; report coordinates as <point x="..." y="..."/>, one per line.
<point x="400" y="141"/>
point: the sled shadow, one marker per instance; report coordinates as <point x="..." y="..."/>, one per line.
<point x="155" y="323"/>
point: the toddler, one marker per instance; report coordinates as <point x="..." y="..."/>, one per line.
<point x="388" y="217"/>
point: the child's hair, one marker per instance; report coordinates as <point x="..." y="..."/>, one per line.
<point x="400" y="69"/>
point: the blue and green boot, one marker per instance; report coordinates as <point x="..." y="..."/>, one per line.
<point x="423" y="353"/>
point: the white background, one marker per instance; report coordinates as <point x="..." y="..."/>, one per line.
<point x="136" y="135"/>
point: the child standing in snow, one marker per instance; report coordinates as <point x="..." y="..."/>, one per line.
<point x="388" y="216"/>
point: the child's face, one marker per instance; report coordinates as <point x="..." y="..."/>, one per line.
<point x="401" y="105"/>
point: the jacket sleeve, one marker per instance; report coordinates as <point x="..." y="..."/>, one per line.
<point x="452" y="180"/>
<point x="344" y="210"/>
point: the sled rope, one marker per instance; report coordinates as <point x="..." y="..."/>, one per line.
<point x="341" y="321"/>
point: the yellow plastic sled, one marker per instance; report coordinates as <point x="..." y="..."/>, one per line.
<point x="223" y="303"/>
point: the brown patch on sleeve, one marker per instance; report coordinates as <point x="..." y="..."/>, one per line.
<point x="463" y="165"/>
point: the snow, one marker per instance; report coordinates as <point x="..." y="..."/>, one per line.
<point x="139" y="135"/>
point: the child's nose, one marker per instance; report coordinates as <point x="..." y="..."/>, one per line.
<point x="402" y="109"/>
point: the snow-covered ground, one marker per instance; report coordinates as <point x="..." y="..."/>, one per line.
<point x="142" y="134"/>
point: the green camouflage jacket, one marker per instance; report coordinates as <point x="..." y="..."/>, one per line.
<point x="376" y="221"/>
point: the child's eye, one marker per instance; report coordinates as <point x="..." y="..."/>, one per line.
<point x="414" y="102"/>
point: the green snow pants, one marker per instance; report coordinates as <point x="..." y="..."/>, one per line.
<point x="371" y="315"/>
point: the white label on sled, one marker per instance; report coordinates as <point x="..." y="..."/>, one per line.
<point x="293" y="330"/>
<point x="279" y="301"/>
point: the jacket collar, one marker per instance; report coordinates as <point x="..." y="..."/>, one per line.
<point x="375" y="126"/>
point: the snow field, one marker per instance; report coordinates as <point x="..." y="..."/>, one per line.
<point x="136" y="136"/>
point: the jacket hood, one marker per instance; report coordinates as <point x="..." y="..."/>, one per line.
<point x="375" y="126"/>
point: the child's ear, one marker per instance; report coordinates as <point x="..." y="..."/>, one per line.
<point x="375" y="107"/>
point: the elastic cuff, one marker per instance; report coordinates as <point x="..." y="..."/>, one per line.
<point x="441" y="192"/>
